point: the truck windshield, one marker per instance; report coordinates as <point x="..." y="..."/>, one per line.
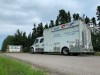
<point x="41" y="40"/>
<point x="36" y="41"/>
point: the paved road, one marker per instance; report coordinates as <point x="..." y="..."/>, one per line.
<point x="63" y="65"/>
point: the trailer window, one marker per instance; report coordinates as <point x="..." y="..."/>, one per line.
<point x="41" y="40"/>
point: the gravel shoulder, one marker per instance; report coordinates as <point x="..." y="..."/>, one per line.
<point x="61" y="65"/>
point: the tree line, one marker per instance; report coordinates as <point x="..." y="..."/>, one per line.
<point x="20" y="38"/>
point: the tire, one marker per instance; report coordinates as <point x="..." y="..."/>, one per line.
<point x="75" y="54"/>
<point x="65" y="51"/>
<point x="93" y="53"/>
<point x="42" y="52"/>
<point x="32" y="51"/>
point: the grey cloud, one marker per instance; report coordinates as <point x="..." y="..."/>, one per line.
<point x="24" y="12"/>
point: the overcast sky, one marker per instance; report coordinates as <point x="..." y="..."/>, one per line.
<point x="22" y="14"/>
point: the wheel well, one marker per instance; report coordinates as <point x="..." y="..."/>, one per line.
<point x="63" y="51"/>
<point x="31" y="48"/>
<point x="64" y="47"/>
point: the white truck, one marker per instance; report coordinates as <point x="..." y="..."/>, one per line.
<point x="73" y="37"/>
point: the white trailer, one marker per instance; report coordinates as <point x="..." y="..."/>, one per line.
<point x="73" y="37"/>
<point x="14" y="48"/>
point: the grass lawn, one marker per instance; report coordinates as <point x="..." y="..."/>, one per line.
<point x="97" y="53"/>
<point x="10" y="66"/>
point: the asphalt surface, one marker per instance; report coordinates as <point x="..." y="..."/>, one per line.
<point x="62" y="65"/>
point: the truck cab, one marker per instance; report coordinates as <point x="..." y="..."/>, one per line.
<point x="38" y="45"/>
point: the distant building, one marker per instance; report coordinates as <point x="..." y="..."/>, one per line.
<point x="14" y="48"/>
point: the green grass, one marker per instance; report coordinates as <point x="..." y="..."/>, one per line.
<point x="97" y="54"/>
<point x="10" y="66"/>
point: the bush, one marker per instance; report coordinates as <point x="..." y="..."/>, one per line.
<point x="26" y="49"/>
<point x="97" y="53"/>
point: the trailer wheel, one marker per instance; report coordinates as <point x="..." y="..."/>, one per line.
<point x="32" y="51"/>
<point x="65" y="51"/>
<point x="75" y="54"/>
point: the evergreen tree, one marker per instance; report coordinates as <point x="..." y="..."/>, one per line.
<point x="98" y="12"/>
<point x="7" y="41"/>
<point x="96" y="42"/>
<point x="29" y="39"/>
<point x="62" y="17"/>
<point x="24" y="40"/>
<point x="94" y="20"/>
<point x="76" y="16"/>
<point x="46" y="26"/>
<point x="18" y="37"/>
<point x="40" y="30"/>
<point x="69" y="17"/>
<point x="87" y="20"/>
<point x="51" y="24"/>
<point x="34" y="34"/>
<point x="57" y="21"/>
<point x="99" y="24"/>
